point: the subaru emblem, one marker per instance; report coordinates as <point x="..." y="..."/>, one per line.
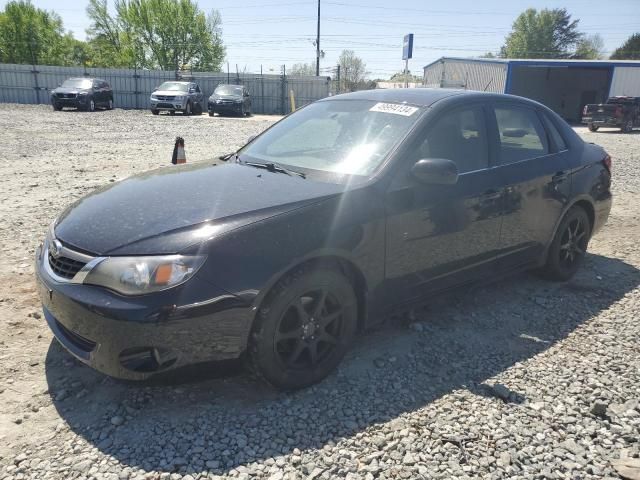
<point x="55" y="249"/>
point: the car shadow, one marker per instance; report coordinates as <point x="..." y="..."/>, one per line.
<point x="217" y="418"/>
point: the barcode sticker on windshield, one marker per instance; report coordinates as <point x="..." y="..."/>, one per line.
<point x="398" y="109"/>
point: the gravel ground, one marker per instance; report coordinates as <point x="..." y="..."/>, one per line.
<point x="519" y="379"/>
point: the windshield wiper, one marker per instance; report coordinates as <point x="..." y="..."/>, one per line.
<point x="275" y="168"/>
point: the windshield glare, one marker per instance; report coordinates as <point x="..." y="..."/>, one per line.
<point x="228" y="90"/>
<point x="77" y="83"/>
<point x="350" y="137"/>
<point x="174" y="86"/>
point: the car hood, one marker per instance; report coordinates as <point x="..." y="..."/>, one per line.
<point x="167" y="210"/>
<point x="174" y="93"/>
<point x="215" y="96"/>
<point x="69" y="90"/>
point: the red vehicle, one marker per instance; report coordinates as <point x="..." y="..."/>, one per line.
<point x="618" y="112"/>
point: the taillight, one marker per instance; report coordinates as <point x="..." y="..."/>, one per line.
<point x="606" y="161"/>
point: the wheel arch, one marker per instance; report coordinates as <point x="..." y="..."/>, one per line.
<point x="582" y="201"/>
<point x="327" y="260"/>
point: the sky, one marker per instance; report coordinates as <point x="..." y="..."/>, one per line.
<point x="276" y="32"/>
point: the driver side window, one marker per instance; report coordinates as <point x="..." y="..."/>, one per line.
<point x="459" y="136"/>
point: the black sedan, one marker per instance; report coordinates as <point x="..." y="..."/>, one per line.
<point x="226" y="99"/>
<point x="317" y="229"/>
<point x="83" y="94"/>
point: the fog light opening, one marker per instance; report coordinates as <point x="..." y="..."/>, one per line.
<point x="147" y="359"/>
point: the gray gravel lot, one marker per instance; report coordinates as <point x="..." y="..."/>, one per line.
<point x="519" y="379"/>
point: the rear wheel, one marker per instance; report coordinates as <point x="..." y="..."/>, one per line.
<point x="110" y="104"/>
<point x="593" y="128"/>
<point x="303" y="328"/>
<point x="187" y="110"/>
<point x="627" y="127"/>
<point x="155" y="112"/>
<point x="91" y="106"/>
<point x="569" y="245"/>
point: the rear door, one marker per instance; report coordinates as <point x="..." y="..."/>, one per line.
<point x="533" y="164"/>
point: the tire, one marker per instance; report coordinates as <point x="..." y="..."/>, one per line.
<point x="249" y="112"/>
<point x="627" y="127"/>
<point x="172" y="112"/>
<point x="303" y="328"/>
<point x="197" y="109"/>
<point x="211" y="114"/>
<point x="569" y="246"/>
<point x="187" y="109"/>
<point x="91" y="106"/>
<point x="242" y="112"/>
<point x="593" y="128"/>
<point x="155" y="112"/>
<point x="56" y="106"/>
<point x="110" y="104"/>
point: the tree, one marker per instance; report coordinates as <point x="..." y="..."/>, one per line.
<point x="488" y="55"/>
<point x="302" y="69"/>
<point x="166" y="34"/>
<point x="589" y="48"/>
<point x="402" y="77"/>
<point x="543" y="34"/>
<point x="630" y="50"/>
<point x="31" y="35"/>
<point x="352" y="70"/>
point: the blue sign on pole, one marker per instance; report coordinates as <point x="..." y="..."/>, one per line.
<point x="407" y="46"/>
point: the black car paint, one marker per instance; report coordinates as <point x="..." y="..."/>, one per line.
<point x="100" y="91"/>
<point x="235" y="104"/>
<point x="396" y="238"/>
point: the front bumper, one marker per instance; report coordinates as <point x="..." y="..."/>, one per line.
<point x="137" y="337"/>
<point x="602" y="121"/>
<point x="76" y="102"/>
<point x="167" y="105"/>
<point x="225" y="107"/>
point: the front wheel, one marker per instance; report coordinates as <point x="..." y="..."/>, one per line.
<point x="110" y="104"/>
<point x="627" y="127"/>
<point x="91" y="106"/>
<point x="303" y="328"/>
<point x="593" y="128"/>
<point x="57" y="107"/>
<point x="187" y="110"/>
<point x="211" y="114"/>
<point x="569" y="245"/>
<point x="155" y="112"/>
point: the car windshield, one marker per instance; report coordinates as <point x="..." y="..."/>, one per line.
<point x="349" y="137"/>
<point x="174" y="86"/>
<point x="77" y="83"/>
<point x="228" y="90"/>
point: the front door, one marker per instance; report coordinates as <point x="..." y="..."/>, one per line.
<point x="442" y="235"/>
<point x="533" y="165"/>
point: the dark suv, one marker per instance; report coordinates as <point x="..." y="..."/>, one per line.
<point x="83" y="94"/>
<point x="230" y="99"/>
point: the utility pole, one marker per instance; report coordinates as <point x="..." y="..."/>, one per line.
<point x="318" y="44"/>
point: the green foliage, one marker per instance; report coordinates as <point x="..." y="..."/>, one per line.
<point x="630" y="50"/>
<point x="32" y="35"/>
<point x="302" y="69"/>
<point x="352" y="71"/>
<point x="589" y="48"/>
<point x="542" y="34"/>
<point x="402" y="77"/>
<point x="166" y="34"/>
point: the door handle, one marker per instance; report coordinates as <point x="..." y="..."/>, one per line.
<point x="559" y="177"/>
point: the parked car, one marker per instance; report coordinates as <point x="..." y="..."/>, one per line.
<point x="227" y="99"/>
<point x="83" y="94"/>
<point x="185" y="97"/>
<point x="317" y="229"/>
<point x="618" y="112"/>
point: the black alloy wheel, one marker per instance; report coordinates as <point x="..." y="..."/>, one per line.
<point x="628" y="126"/>
<point x="57" y="107"/>
<point x="569" y="245"/>
<point x="304" y="328"/>
<point x="187" y="110"/>
<point x="593" y="128"/>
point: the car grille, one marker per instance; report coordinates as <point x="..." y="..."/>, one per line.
<point x="165" y="98"/>
<point x="165" y="105"/>
<point x="66" y="95"/>
<point x="65" y="267"/>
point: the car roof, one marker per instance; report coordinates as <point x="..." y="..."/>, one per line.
<point x="86" y="78"/>
<point x="426" y="97"/>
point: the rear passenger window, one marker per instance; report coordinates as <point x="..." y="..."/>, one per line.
<point x="556" y="138"/>
<point x="458" y="136"/>
<point x="522" y="136"/>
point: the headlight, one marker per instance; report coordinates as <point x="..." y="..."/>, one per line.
<point x="140" y="275"/>
<point x="153" y="97"/>
<point x="238" y="100"/>
<point x="83" y="93"/>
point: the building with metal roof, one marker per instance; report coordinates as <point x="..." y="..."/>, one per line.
<point x="565" y="86"/>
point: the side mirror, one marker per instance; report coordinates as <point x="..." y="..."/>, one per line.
<point x="435" y="171"/>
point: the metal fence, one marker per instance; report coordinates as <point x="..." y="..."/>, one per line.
<point x="132" y="88"/>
